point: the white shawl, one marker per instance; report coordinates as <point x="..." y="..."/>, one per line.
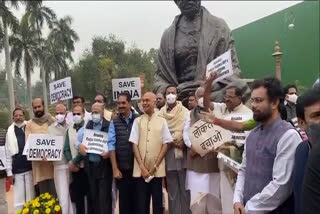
<point x="12" y="140"/>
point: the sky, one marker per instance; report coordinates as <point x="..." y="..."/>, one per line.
<point x="142" y="22"/>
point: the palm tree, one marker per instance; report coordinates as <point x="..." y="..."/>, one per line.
<point x="38" y="15"/>
<point x="60" y="44"/>
<point x="54" y="61"/>
<point x="25" y="49"/>
<point x="9" y="21"/>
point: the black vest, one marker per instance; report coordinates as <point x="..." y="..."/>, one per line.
<point x="124" y="150"/>
<point x="20" y="164"/>
<point x="104" y="127"/>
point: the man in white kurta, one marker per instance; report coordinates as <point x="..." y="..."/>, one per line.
<point x="61" y="172"/>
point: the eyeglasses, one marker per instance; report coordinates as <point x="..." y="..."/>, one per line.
<point x="74" y="114"/>
<point x="229" y="97"/>
<point x="257" y="100"/>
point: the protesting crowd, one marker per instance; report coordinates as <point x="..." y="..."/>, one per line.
<point x="150" y="152"/>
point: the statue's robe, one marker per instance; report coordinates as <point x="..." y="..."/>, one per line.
<point x="215" y="39"/>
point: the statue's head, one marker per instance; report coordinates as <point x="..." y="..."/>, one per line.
<point x="188" y="8"/>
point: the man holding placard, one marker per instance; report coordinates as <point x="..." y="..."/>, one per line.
<point x="19" y="169"/>
<point x="149" y="135"/>
<point x="42" y="170"/>
<point x="92" y="143"/>
<point x="176" y="158"/>
<point x="203" y="177"/>
<point x="60" y="168"/>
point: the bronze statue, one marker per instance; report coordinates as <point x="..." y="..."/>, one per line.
<point x="192" y="41"/>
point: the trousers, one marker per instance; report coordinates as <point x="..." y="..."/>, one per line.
<point x="23" y="189"/>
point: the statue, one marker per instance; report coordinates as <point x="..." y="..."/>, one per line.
<point x="192" y="41"/>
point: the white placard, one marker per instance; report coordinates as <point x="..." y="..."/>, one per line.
<point x="40" y="146"/>
<point x="95" y="141"/>
<point x="206" y="136"/>
<point x="2" y="158"/>
<point x="129" y="85"/>
<point x="60" y="90"/>
<point x="222" y="65"/>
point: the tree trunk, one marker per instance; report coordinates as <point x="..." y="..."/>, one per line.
<point x="43" y="75"/>
<point x="29" y="91"/>
<point x="8" y="70"/>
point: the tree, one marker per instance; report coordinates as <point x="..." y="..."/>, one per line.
<point x="59" y="47"/>
<point x="25" y="49"/>
<point x="38" y="15"/>
<point x="9" y="21"/>
<point x="109" y="58"/>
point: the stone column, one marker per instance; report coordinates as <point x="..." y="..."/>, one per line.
<point x="277" y="55"/>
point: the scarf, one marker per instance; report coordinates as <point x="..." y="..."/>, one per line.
<point x="175" y="120"/>
<point x="12" y="139"/>
<point x="46" y="118"/>
<point x="195" y="115"/>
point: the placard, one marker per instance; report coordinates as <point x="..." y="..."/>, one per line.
<point x="40" y="146"/>
<point x="95" y="141"/>
<point x="206" y="136"/>
<point x="222" y="65"/>
<point x="2" y="158"/>
<point x="60" y="90"/>
<point x="129" y="85"/>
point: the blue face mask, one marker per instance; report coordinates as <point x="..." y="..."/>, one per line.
<point x="96" y="118"/>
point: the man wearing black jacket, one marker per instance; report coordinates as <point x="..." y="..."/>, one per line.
<point x="121" y="152"/>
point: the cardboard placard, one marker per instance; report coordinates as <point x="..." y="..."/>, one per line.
<point x="129" y="85"/>
<point x="206" y="136"/>
<point x="60" y="90"/>
<point x="2" y="158"/>
<point x="40" y="146"/>
<point x="222" y="65"/>
<point x="95" y="141"/>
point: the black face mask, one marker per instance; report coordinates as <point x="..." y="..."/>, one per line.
<point x="313" y="133"/>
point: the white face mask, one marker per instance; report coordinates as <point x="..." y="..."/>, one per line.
<point x="77" y="119"/>
<point x="96" y="118"/>
<point x="60" y="118"/>
<point x="200" y="102"/>
<point x="292" y="98"/>
<point x="171" y="98"/>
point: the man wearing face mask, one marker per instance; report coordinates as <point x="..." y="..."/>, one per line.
<point x="19" y="170"/>
<point x="42" y="170"/>
<point x="308" y="113"/>
<point x="97" y="167"/>
<point x="203" y="177"/>
<point x="176" y="158"/>
<point x="79" y="185"/>
<point x="60" y="168"/>
<point x="78" y="101"/>
<point x="100" y="98"/>
<point x="291" y="100"/>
